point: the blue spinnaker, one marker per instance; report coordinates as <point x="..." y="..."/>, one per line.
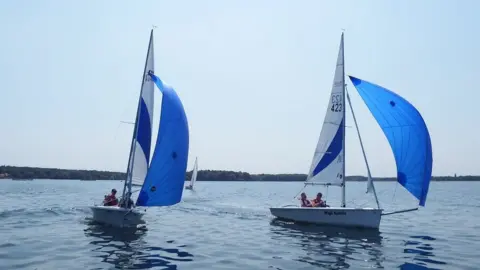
<point x="407" y="134"/>
<point x="165" y="179"/>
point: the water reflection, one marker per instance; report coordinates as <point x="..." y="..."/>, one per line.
<point x="412" y="266"/>
<point x="128" y="248"/>
<point x="422" y="250"/>
<point x="331" y="247"/>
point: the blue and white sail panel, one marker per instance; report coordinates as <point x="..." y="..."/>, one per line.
<point x="407" y="134"/>
<point x="143" y="138"/>
<point x="165" y="179"/>
<point x="328" y="162"/>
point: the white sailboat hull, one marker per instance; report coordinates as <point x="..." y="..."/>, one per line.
<point x="117" y="216"/>
<point x="336" y="216"/>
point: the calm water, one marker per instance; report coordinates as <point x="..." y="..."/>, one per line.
<point x="45" y="225"/>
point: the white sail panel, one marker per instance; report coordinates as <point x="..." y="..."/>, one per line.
<point x="194" y="173"/>
<point x="144" y="124"/>
<point x="328" y="161"/>
<point x="140" y="166"/>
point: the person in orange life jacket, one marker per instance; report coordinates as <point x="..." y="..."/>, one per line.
<point x="317" y="202"/>
<point x="111" y="200"/>
<point x="304" y="200"/>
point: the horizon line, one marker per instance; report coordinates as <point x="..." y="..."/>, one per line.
<point x="353" y="175"/>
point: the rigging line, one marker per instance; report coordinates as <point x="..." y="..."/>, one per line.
<point x="300" y="191"/>
<point x="394" y="192"/>
<point x="326" y="195"/>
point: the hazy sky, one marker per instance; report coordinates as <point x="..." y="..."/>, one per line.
<point x="254" y="77"/>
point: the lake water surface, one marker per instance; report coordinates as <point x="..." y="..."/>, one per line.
<point x="44" y="224"/>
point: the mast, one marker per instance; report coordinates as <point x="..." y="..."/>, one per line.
<point x="344" y="122"/>
<point x="131" y="159"/>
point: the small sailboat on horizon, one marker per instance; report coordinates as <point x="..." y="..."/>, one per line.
<point x="161" y="178"/>
<point x="409" y="140"/>
<point x="194" y="176"/>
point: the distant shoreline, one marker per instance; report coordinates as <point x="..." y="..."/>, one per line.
<point x="203" y="180"/>
<point x="34" y="173"/>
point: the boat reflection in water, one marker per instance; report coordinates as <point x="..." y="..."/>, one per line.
<point x="127" y="248"/>
<point x="331" y="247"/>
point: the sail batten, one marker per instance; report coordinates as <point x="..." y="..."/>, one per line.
<point x="163" y="185"/>
<point x="406" y="133"/>
<point x="328" y="163"/>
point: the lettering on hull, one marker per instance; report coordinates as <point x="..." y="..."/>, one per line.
<point x="335" y="213"/>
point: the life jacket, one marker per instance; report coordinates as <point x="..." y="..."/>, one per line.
<point x="306" y="203"/>
<point x="110" y="200"/>
<point x="318" y="202"/>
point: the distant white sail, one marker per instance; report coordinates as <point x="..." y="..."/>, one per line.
<point x="194" y="173"/>
<point x="328" y="161"/>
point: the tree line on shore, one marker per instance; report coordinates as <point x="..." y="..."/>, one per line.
<point x="13" y="172"/>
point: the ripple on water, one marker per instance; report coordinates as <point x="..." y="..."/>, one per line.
<point x="50" y="229"/>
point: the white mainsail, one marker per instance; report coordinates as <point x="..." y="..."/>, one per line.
<point x="140" y="152"/>
<point x="328" y="161"/>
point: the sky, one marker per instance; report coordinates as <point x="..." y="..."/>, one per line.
<point x="254" y="77"/>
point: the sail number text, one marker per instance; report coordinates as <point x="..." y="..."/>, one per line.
<point x="337" y="104"/>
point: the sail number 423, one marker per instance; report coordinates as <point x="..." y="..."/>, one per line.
<point x="337" y="104"/>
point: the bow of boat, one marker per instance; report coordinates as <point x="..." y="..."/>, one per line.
<point x="117" y="216"/>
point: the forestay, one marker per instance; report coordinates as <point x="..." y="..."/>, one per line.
<point x="163" y="185"/>
<point x="407" y="134"/>
<point x="140" y="154"/>
<point x="328" y="160"/>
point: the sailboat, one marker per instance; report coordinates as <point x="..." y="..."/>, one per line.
<point x="161" y="178"/>
<point x="406" y="133"/>
<point x="194" y="176"/>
